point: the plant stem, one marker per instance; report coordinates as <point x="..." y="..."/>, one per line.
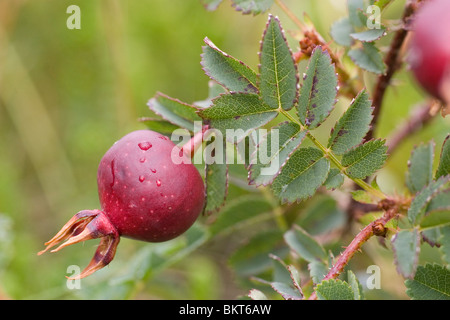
<point x="291" y="15"/>
<point x="332" y="157"/>
<point x="393" y="63"/>
<point x="418" y="119"/>
<point x="365" y="234"/>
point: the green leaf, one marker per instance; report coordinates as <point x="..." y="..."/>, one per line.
<point x="419" y="204"/>
<point x="317" y="271"/>
<point x="242" y="211"/>
<point x="228" y="71"/>
<point x="286" y="280"/>
<point x="319" y="89"/>
<point x="216" y="181"/>
<point x="368" y="57"/>
<point x="273" y="151"/>
<point x="420" y="167"/>
<point x="363" y="196"/>
<point x="365" y="159"/>
<point x="322" y="216"/>
<point x="439" y="202"/>
<point x="252" y="6"/>
<point x="286" y="291"/>
<point x="334" y="180"/>
<point x="304" y="245"/>
<point x="357" y="289"/>
<point x="174" y="111"/>
<point x="355" y="13"/>
<point x="278" y="71"/>
<point x="304" y="172"/>
<point x="162" y="126"/>
<point x="406" y="246"/>
<point x="253" y="258"/>
<point x="340" y="32"/>
<point x="431" y="282"/>
<point x="444" y="161"/>
<point x="444" y="240"/>
<point x="353" y="125"/>
<point x="433" y="219"/>
<point x="369" y="35"/>
<point x="240" y="112"/>
<point x="334" y="289"/>
<point x="151" y="260"/>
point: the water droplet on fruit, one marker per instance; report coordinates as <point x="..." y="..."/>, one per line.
<point x="153" y="170"/>
<point x="158" y="183"/>
<point x="170" y="208"/>
<point x="141" y="178"/>
<point x="145" y="145"/>
<point x="142" y="160"/>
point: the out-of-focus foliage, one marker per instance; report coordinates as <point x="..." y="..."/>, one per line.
<point x="67" y="95"/>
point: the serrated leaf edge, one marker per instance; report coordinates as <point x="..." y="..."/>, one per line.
<point x="252" y="157"/>
<point x="327" y="54"/>
<point x="211" y="45"/>
<point x="277" y="20"/>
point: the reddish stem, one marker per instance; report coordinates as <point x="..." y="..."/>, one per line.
<point x="365" y="234"/>
<point x="195" y="142"/>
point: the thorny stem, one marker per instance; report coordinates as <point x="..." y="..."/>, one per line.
<point x="362" y="237"/>
<point x="393" y="63"/>
<point x="332" y="157"/>
<point x="420" y="116"/>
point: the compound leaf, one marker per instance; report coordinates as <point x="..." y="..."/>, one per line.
<point x="319" y="89"/>
<point x="278" y="71"/>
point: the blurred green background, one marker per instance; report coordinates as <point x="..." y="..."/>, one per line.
<point x="67" y="95"/>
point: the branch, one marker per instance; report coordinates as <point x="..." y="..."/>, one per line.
<point x="376" y="227"/>
<point x="393" y="63"/>
<point x="420" y="117"/>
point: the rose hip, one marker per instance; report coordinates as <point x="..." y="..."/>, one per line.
<point x="143" y="194"/>
<point x="430" y="48"/>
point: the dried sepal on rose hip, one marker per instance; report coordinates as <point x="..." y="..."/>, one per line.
<point x="143" y="195"/>
<point x="429" y="55"/>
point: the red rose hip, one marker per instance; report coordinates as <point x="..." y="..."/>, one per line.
<point x="143" y="194"/>
<point x="429" y="56"/>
